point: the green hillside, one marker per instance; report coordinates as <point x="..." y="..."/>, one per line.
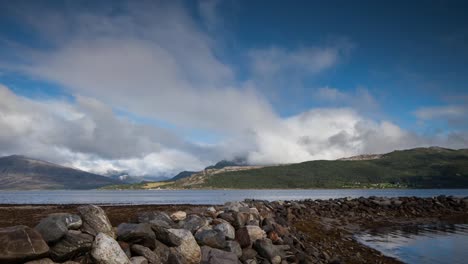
<point x="416" y="168"/>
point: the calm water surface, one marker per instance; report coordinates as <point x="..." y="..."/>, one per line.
<point x="201" y="196"/>
<point x="446" y="243"/>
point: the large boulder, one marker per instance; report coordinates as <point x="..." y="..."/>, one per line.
<point x="95" y="220"/>
<point x="21" y="243"/>
<point x="216" y="256"/>
<point x="227" y="230"/>
<point x="249" y="234"/>
<point x="71" y="245"/>
<point x="55" y="226"/>
<point x="193" y="223"/>
<point x="266" y="249"/>
<point x="211" y="238"/>
<point x="72" y="221"/>
<point x="51" y="229"/>
<point x="162" y="251"/>
<point x="136" y="234"/>
<point x="106" y="250"/>
<point x="167" y="236"/>
<point x="188" y="249"/>
<point x="151" y="256"/>
<point x="234" y="247"/>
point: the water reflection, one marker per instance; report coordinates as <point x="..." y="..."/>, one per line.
<point x="442" y="243"/>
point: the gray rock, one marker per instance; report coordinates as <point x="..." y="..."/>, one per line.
<point x="151" y="256"/>
<point x="227" y="217"/>
<point x="154" y="217"/>
<point x="188" y="248"/>
<point x="266" y="249"/>
<point x="162" y="251"/>
<point x="248" y="253"/>
<point x="216" y="256"/>
<point x="136" y="234"/>
<point x="71" y="245"/>
<point x="235" y="207"/>
<point x="227" y="230"/>
<point x="55" y="226"/>
<point x="249" y="234"/>
<point x="95" y="220"/>
<point x="41" y="261"/>
<point x="139" y="260"/>
<point x="21" y="243"/>
<point x="106" y="250"/>
<point x="234" y="247"/>
<point x="211" y="238"/>
<point x="167" y="236"/>
<point x="193" y="223"/>
<point x="72" y="221"/>
<point x="175" y="257"/>
<point x="51" y="229"/>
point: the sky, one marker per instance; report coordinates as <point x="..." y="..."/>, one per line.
<point x="157" y="87"/>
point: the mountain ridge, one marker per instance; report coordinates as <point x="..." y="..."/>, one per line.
<point x="431" y="167"/>
<point x="18" y="172"/>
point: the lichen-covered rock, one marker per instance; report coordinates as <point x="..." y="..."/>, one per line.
<point x="95" y="220"/>
<point x="136" y="234"/>
<point x="193" y="223"/>
<point x="106" y="250"/>
<point x="211" y="238"/>
<point x="216" y="256"/>
<point x="21" y="243"/>
<point x="188" y="249"/>
<point x="71" y="245"/>
<point x="227" y="230"/>
<point x="151" y="256"/>
<point x="249" y="234"/>
<point x="167" y="236"/>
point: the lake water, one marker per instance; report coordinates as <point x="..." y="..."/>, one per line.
<point x="445" y="243"/>
<point x="202" y="196"/>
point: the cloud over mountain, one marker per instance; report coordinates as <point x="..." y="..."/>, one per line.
<point x="146" y="76"/>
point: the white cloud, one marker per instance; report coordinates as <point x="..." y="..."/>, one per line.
<point x="267" y="63"/>
<point x="451" y="111"/>
<point x="88" y="135"/>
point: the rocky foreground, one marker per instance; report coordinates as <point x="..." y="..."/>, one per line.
<point x="310" y="231"/>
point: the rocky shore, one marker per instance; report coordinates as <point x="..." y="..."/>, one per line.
<point x="252" y="231"/>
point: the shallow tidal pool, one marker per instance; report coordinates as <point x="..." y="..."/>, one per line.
<point x="443" y="243"/>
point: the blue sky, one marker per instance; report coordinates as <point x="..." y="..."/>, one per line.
<point x="201" y="81"/>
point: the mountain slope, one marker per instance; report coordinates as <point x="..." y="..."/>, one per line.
<point x="415" y="168"/>
<point x="22" y="173"/>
